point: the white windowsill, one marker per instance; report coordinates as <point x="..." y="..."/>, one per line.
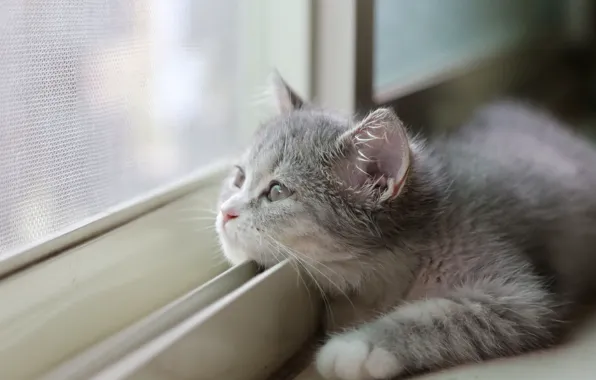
<point x="65" y="304"/>
<point x="245" y="334"/>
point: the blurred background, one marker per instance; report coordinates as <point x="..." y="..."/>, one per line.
<point x="105" y="102"/>
<point x="437" y="60"/>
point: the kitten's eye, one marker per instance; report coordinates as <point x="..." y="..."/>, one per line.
<point x="240" y="177"/>
<point x="277" y="192"/>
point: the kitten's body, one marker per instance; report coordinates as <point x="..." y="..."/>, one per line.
<point x="527" y="180"/>
<point x="465" y="248"/>
<point x="517" y="177"/>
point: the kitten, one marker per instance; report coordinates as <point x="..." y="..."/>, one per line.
<point x="434" y="253"/>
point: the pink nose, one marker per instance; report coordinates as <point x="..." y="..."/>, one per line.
<point x="228" y="215"/>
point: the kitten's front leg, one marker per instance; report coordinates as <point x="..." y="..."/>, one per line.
<point x="467" y="325"/>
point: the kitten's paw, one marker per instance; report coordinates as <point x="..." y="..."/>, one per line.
<point x="350" y="357"/>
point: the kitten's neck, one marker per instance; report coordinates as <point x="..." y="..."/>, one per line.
<point x="387" y="273"/>
<point x="360" y="290"/>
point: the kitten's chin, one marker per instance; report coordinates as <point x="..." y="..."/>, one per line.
<point x="231" y="252"/>
<point x="237" y="255"/>
<point x="234" y="255"/>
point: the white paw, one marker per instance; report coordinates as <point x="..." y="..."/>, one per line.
<point x="350" y="357"/>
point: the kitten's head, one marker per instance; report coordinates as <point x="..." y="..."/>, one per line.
<point x="314" y="186"/>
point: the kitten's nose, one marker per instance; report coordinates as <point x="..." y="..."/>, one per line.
<point x="228" y="214"/>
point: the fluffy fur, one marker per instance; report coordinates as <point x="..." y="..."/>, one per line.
<point x="431" y="253"/>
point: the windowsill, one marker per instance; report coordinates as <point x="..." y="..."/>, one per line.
<point x="96" y="289"/>
<point x="572" y="360"/>
<point x="242" y="335"/>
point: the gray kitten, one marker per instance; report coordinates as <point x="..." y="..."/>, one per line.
<point x="433" y="253"/>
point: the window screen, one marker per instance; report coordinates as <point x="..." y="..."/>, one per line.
<point x="102" y="101"/>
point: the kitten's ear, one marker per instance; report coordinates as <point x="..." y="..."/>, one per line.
<point x="378" y="154"/>
<point x="285" y="97"/>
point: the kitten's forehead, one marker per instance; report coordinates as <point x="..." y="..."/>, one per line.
<point x="297" y="138"/>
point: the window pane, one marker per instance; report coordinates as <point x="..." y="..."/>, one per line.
<point x="102" y="101"/>
<point x="418" y="39"/>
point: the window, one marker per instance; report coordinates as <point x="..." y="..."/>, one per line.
<point x="104" y="102"/>
<point x="444" y="36"/>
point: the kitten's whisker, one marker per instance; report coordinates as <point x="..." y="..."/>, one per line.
<point x="310" y="275"/>
<point x="194" y="219"/>
<point x="276" y="256"/>
<point x="296" y="267"/>
<point x="196" y="210"/>
<point x="341" y="291"/>
<point x="217" y="263"/>
<point x="214" y="247"/>
<point x="305" y="262"/>
<point x="208" y="218"/>
<point x="205" y="228"/>
<point x="322" y="293"/>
